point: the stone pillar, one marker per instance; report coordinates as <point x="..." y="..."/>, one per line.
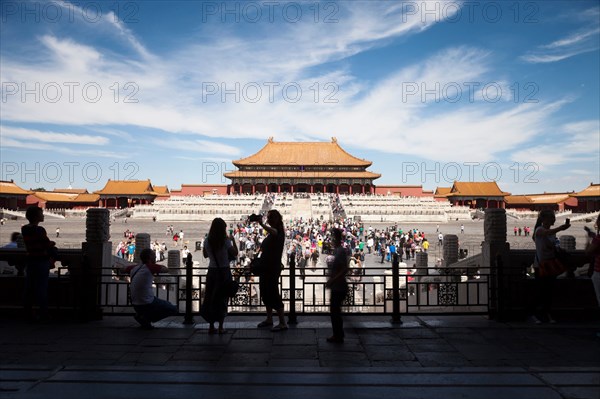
<point x="174" y="261"/>
<point x="97" y="258"/>
<point x="494" y="225"/>
<point x="142" y="241"/>
<point x="422" y="263"/>
<point x="97" y="225"/>
<point x="450" y="251"/>
<point x="567" y="243"/>
<point x="496" y="262"/>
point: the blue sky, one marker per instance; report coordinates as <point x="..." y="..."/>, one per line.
<point x="428" y="91"/>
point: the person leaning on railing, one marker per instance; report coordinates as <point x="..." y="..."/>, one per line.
<point x="41" y="253"/>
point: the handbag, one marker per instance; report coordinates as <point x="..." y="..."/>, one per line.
<point x="551" y="268"/>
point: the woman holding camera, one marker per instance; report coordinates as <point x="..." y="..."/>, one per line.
<point x="219" y="249"/>
<point x="271" y="252"/>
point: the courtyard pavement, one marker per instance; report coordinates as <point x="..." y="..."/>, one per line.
<point x="424" y="357"/>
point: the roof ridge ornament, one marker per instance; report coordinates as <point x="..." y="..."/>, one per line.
<point x="270" y="140"/>
<point x="334" y="140"/>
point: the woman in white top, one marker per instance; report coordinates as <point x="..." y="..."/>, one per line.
<point x="545" y="261"/>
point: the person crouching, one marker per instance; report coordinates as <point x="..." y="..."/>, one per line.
<point x="147" y="306"/>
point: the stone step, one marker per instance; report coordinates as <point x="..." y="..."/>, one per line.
<point x="290" y="383"/>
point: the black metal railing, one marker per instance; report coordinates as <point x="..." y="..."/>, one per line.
<point x="444" y="290"/>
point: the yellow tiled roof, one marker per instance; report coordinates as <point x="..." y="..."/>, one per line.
<point x="50" y="196"/>
<point x="442" y="191"/>
<point x="539" y="199"/>
<point x="9" y="187"/>
<point x="471" y="189"/>
<point x="127" y="187"/>
<point x="548" y="198"/>
<point x="55" y="197"/>
<point x="302" y="153"/>
<point x="517" y="199"/>
<point x="162" y="191"/>
<point x="593" y="190"/>
<point x="87" y="197"/>
<point x="70" y="190"/>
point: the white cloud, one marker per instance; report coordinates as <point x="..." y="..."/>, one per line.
<point x="51" y="137"/>
<point x="582" y="41"/>
<point x="376" y="115"/>
<point x="576" y="142"/>
<point x="202" y="146"/>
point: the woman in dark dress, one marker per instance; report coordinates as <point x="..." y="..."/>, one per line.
<point x="219" y="249"/>
<point x="337" y="265"/>
<point x="271" y="252"/>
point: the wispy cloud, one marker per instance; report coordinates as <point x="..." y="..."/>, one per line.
<point x="202" y="146"/>
<point x="51" y="137"/>
<point x="575" y="142"/>
<point x="582" y="41"/>
<point x="107" y="21"/>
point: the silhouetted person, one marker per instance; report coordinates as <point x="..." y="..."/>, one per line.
<point x="39" y="261"/>
<point x="271" y="252"/>
<point x="147" y="306"/>
<point x="219" y="249"/>
<point x="338" y="269"/>
<point x="14" y="237"/>
<point x="593" y="248"/>
<point x="547" y="266"/>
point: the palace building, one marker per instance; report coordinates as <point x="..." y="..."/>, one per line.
<point x="310" y="167"/>
<point x="127" y="193"/>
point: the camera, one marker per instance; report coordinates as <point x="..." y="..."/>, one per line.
<point x="255" y="218"/>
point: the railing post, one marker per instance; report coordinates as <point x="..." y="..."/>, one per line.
<point x="292" y="319"/>
<point x="396" y="319"/>
<point x="188" y="319"/>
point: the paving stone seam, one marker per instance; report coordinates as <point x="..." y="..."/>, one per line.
<point x="319" y="370"/>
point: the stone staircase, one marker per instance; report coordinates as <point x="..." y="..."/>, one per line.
<point x="301" y="208"/>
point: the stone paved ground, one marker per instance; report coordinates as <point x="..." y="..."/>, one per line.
<point x="72" y="232"/>
<point x="425" y="357"/>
